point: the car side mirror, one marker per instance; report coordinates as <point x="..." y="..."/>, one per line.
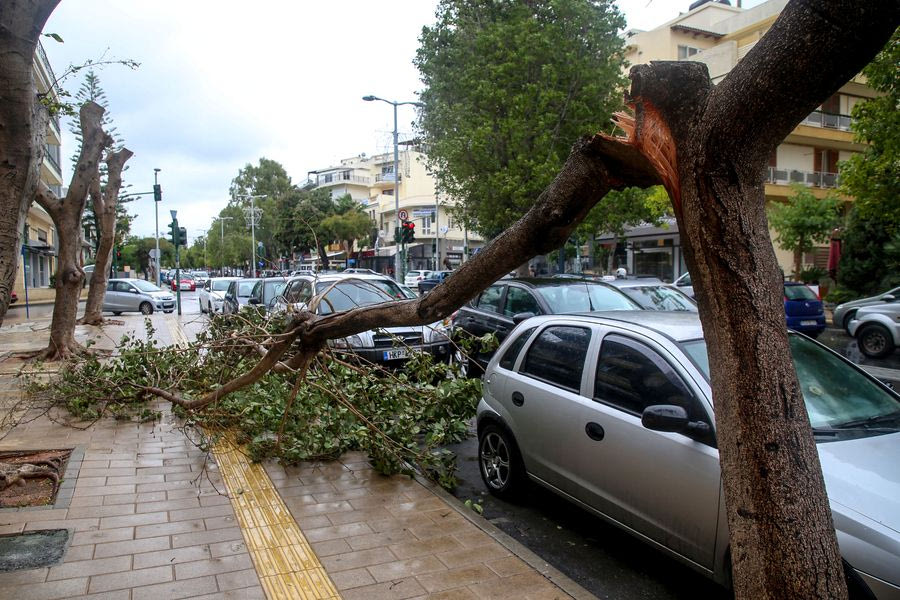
<point x="888" y="298"/>
<point x="671" y="418"/>
<point x="519" y="317"/>
<point x="134" y="291"/>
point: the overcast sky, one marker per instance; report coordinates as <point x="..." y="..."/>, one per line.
<point x="223" y="83"/>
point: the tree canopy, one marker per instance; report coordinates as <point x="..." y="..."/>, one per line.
<point x="803" y="221"/>
<point x="508" y="87"/>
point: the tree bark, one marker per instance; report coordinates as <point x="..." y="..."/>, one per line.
<point x="23" y="127"/>
<point x="105" y="211"/>
<point x="66" y="214"/>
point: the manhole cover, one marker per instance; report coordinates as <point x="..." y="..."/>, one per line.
<point x="32" y="549"/>
<point x="30" y="477"/>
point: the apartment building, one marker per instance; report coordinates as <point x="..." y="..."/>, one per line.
<point x="37" y="262"/>
<point x="441" y="240"/>
<point x="719" y="35"/>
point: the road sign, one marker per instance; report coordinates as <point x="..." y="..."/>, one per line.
<point x="403" y="215"/>
<point x="154" y="253"/>
<point x="423" y="212"/>
<point x="444" y="229"/>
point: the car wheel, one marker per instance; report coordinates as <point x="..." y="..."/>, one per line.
<point x="875" y="341"/>
<point x="117" y="313"/>
<point x="849" y="317"/>
<point x="146" y="308"/>
<point x="499" y="462"/>
<point x="201" y="306"/>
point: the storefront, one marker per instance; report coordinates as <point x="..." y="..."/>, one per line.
<point x="647" y="250"/>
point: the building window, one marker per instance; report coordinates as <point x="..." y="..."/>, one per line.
<point x="389" y="192"/>
<point x="42" y="235"/>
<point x="685" y="52"/>
<point x="327" y="178"/>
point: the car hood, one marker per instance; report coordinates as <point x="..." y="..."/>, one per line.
<point x="862" y="475"/>
<point x="892" y="310"/>
<point x="217" y="295"/>
<point x="162" y="294"/>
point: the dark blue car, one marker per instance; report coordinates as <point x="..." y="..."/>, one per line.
<point x="803" y="308"/>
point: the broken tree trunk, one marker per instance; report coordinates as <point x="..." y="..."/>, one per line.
<point x="66" y="214"/>
<point x="23" y="128"/>
<point x="105" y="203"/>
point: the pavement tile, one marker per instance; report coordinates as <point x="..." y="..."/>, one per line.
<point x="131" y="547"/>
<point x="205" y="512"/>
<point x="354" y="560"/>
<point x="114" y="595"/>
<point x="528" y="585"/>
<point x="226" y="548"/>
<point x="213" y="566"/>
<point x="11" y="528"/>
<point x="354" y="516"/>
<point x="418" y="506"/>
<point x="168" y="505"/>
<point x="130" y="579"/>
<point x="473" y="537"/>
<point x="50" y="590"/>
<point x="105" y="490"/>
<point x="75" y="553"/>
<point x="74" y="524"/>
<point x="409" y="549"/>
<point x="105" y="535"/>
<point x="454" y="594"/>
<point x="187" y="588"/>
<point x="113" y="510"/>
<point x="237" y="579"/>
<point x="466" y="556"/>
<point x="384" y="538"/>
<point x="248" y="593"/>
<point x="345" y="580"/>
<point x="407" y="522"/>
<point x="171" y="556"/>
<point x="405" y="568"/>
<point x="171" y="528"/>
<point x="456" y="578"/>
<point x="83" y="568"/>
<point x="322" y="534"/>
<point x="133" y="479"/>
<point x="134" y="520"/>
<point x="206" y="537"/>
<point x="391" y="590"/>
<point x="26" y="576"/>
<point x="508" y="565"/>
<point x="134" y="498"/>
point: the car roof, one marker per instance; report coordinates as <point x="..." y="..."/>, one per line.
<point x="641" y="282"/>
<point x="536" y="282"/>
<point x="678" y="326"/>
<point x="224" y="278"/>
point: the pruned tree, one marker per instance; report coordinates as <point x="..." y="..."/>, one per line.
<point x="66" y="213"/>
<point x="23" y="127"/>
<point x="105" y="204"/>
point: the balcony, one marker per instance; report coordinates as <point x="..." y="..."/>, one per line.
<point x="330" y="179"/>
<point x="817" y="118"/>
<point x="386" y="180"/>
<point x="817" y="179"/>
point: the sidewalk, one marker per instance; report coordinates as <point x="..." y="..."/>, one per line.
<point x="149" y="518"/>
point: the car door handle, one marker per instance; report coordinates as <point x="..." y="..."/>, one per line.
<point x="594" y="431"/>
<point x="518" y="399"/>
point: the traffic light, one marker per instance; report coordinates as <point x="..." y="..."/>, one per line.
<point x="398" y="235"/>
<point x="118" y="254"/>
<point x="157" y="192"/>
<point x="173" y="233"/>
<point x="182" y="236"/>
<point x="408" y="233"/>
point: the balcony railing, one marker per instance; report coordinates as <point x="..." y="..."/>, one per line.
<point x="808" y="178"/>
<point x="387" y="178"/>
<point x="51" y="153"/>
<point x="818" y="118"/>
<point x="337" y="178"/>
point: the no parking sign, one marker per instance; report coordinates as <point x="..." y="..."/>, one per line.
<point x="403" y="215"/>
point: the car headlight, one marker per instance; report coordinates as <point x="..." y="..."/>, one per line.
<point x="351" y="341"/>
<point x="436" y="332"/>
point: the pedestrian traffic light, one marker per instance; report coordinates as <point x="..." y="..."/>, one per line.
<point x="157" y="192"/>
<point x="118" y="254"/>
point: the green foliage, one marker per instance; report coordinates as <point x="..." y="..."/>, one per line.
<point x="509" y="87"/>
<point x="870" y="257"/>
<point x="839" y="295"/>
<point x="136" y="252"/>
<point x="269" y="179"/>
<point x="803" y="221"/>
<point x="629" y="207"/>
<point x="811" y="274"/>
<point x="401" y="418"/>
<point x="871" y="176"/>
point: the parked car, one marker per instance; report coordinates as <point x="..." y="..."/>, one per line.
<point x="200" y="277"/>
<point x="876" y="329"/>
<point x="508" y="301"/>
<point x="845" y="312"/>
<point x="653" y="294"/>
<point x="387" y="346"/>
<point x="413" y="278"/>
<point x="212" y="294"/>
<point x="237" y="295"/>
<point x="136" y="295"/>
<point x="357" y="271"/>
<point x="186" y="283"/>
<point x="805" y="312"/>
<point x="629" y="394"/>
<point x="266" y="291"/>
<point x="684" y="284"/>
<point x="430" y="282"/>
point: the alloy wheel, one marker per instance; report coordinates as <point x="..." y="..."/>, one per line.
<point x="495" y="460"/>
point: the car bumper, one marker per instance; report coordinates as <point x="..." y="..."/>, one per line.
<point x="808" y="324"/>
<point x="387" y="356"/>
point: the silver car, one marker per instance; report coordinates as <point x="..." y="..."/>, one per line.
<point x="845" y="312"/>
<point x="614" y="412"/>
<point x="876" y="329"/>
<point x="136" y="295"/>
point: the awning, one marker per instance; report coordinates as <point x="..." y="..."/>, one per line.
<point x="39" y="247"/>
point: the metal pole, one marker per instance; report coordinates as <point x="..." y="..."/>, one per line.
<point x="177" y="273"/>
<point x="253" y="235"/>
<point x="437" y="239"/>
<point x="156" y="211"/>
<point x="399" y="264"/>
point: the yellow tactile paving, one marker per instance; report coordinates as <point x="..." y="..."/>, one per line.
<point x="286" y="564"/>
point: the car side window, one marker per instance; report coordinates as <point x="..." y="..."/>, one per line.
<point x="509" y="357"/>
<point x="631" y="376"/>
<point x="257" y="291"/>
<point x="519" y="300"/>
<point x="290" y="294"/>
<point x="557" y="356"/>
<point x="123" y="286"/>
<point x="490" y="299"/>
<point x="111" y="286"/>
<point x="304" y="293"/>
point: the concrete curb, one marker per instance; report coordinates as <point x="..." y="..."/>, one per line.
<point x="554" y="575"/>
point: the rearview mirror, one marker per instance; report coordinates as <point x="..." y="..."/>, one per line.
<point x="519" y="317"/>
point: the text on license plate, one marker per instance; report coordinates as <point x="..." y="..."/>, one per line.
<point x="808" y="323"/>
<point x="395" y="353"/>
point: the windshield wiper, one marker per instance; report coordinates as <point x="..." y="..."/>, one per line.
<point x="841" y="430"/>
<point x="885" y="418"/>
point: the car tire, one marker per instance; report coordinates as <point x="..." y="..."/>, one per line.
<point x="500" y="462"/>
<point x="849" y="317"/>
<point x="201" y="306"/>
<point x="146" y="308"/>
<point x="117" y="313"/>
<point x="875" y="341"/>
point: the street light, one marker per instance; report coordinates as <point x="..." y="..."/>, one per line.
<point x="156" y="202"/>
<point x="252" y="227"/>
<point x="398" y="265"/>
<point x="222" y="241"/>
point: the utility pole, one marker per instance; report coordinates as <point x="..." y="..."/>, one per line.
<point x="157" y="198"/>
<point x="222" y="241"/>
<point x="253" y="217"/>
<point x="176" y="239"/>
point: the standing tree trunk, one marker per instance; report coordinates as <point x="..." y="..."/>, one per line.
<point x="66" y="214"/>
<point x="23" y="127"/>
<point x="105" y="203"/>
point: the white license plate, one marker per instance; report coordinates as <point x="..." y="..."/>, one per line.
<point x="395" y="354"/>
<point x="808" y="323"/>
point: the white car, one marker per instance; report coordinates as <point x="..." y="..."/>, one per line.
<point x="685" y="284"/>
<point x="389" y="345"/>
<point x="212" y="294"/>
<point x="201" y="277"/>
<point x="876" y="329"/>
<point x="413" y="278"/>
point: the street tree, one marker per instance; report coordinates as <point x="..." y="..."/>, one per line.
<point x="312" y="209"/>
<point x="869" y="262"/>
<point x="348" y="223"/>
<point x="269" y="181"/>
<point x="508" y="86"/>
<point x="803" y="221"/>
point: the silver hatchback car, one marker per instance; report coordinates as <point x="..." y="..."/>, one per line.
<point x="614" y="412"/>
<point x="136" y="295"/>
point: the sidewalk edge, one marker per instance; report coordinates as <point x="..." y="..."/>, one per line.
<point x="554" y="575"/>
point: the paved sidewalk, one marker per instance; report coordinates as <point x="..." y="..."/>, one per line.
<point x="149" y="518"/>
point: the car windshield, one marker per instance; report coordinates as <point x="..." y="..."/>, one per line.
<point x="350" y="294"/>
<point x="564" y="297"/>
<point x="245" y="288"/>
<point x="220" y="285"/>
<point x="201" y="274"/>
<point x="840" y="401"/>
<point x="145" y="286"/>
<point x="799" y="292"/>
<point x="273" y="289"/>
<point x="660" y="297"/>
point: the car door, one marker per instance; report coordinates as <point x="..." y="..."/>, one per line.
<point x="129" y="295"/>
<point x="112" y="300"/>
<point x="666" y="486"/>
<point x="520" y="300"/>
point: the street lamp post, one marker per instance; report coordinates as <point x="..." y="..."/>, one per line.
<point x="222" y="241"/>
<point x="252" y="227"/>
<point x="399" y="264"/>
<point x="156" y="211"/>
